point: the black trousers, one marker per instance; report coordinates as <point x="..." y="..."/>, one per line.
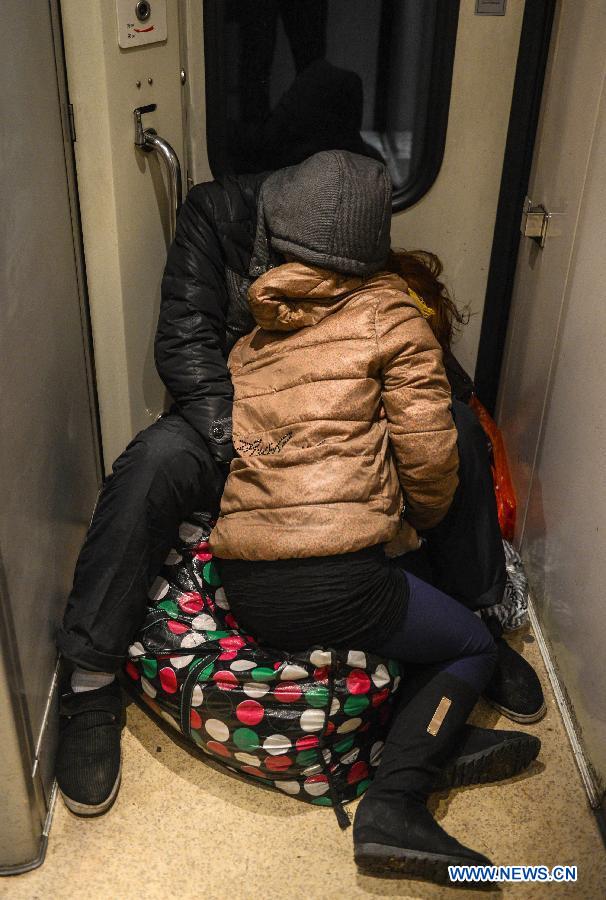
<point x="166" y="473"/>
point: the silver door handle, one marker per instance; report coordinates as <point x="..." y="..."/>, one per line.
<point x="148" y="139"/>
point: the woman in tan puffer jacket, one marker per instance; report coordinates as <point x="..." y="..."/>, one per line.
<point x="335" y="424"/>
<point x="346" y="447"/>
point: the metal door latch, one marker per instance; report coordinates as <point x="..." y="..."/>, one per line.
<point x="535" y="221"/>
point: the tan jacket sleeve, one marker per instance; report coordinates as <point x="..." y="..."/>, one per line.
<point x="417" y="400"/>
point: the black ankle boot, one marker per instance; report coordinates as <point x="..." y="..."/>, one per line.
<point x="483" y="755"/>
<point x="514" y="689"/>
<point x="393" y="829"/>
<point x="89" y="758"/>
<point x="400" y="836"/>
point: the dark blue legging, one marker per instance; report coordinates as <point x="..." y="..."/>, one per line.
<point x="440" y="632"/>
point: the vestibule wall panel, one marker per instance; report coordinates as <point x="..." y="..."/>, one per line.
<point x="124" y="204"/>
<point x="551" y="405"/>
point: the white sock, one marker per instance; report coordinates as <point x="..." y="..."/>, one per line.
<point x="84" y="680"/>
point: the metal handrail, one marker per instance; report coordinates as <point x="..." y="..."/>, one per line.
<point x="148" y="139"/>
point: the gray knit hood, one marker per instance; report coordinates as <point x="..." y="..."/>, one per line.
<point x="333" y="211"/>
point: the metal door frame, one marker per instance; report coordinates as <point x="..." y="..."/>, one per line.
<point x="13" y="694"/>
<point x="535" y="39"/>
<point x="69" y="137"/>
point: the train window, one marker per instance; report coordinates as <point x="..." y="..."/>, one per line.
<point x="287" y="78"/>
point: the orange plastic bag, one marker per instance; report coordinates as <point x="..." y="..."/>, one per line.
<point x="503" y="486"/>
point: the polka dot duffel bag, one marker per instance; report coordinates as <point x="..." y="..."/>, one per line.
<point x="311" y="724"/>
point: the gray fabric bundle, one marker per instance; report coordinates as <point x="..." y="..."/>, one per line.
<point x="333" y="211"/>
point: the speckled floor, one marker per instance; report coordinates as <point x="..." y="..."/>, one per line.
<point x="182" y="829"/>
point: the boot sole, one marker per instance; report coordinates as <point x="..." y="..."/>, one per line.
<point x="494" y="764"/>
<point x="522" y="718"/>
<point x="381" y="859"/>
<point x="87" y="809"/>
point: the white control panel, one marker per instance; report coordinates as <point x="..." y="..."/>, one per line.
<point x="141" y="22"/>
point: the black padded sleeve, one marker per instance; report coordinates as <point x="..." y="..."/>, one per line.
<point x="190" y="340"/>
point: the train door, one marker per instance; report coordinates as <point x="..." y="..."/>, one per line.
<point x="51" y="463"/>
<point x="551" y="400"/>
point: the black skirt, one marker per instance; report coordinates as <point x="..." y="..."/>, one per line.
<point x="353" y="600"/>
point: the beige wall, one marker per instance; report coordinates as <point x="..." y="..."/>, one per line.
<point x="551" y="405"/>
<point x="456" y="218"/>
<point x="124" y="204"/>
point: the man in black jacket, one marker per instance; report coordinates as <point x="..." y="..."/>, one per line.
<point x="170" y="470"/>
<point x="177" y="467"/>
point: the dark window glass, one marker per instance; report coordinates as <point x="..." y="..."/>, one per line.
<point x="287" y="78"/>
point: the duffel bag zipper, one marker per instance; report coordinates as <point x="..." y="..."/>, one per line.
<point x="188" y="689"/>
<point x="337" y="804"/>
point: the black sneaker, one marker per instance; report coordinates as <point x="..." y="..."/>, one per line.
<point x="485" y="754"/>
<point x="88" y="759"/>
<point x="515" y="689"/>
